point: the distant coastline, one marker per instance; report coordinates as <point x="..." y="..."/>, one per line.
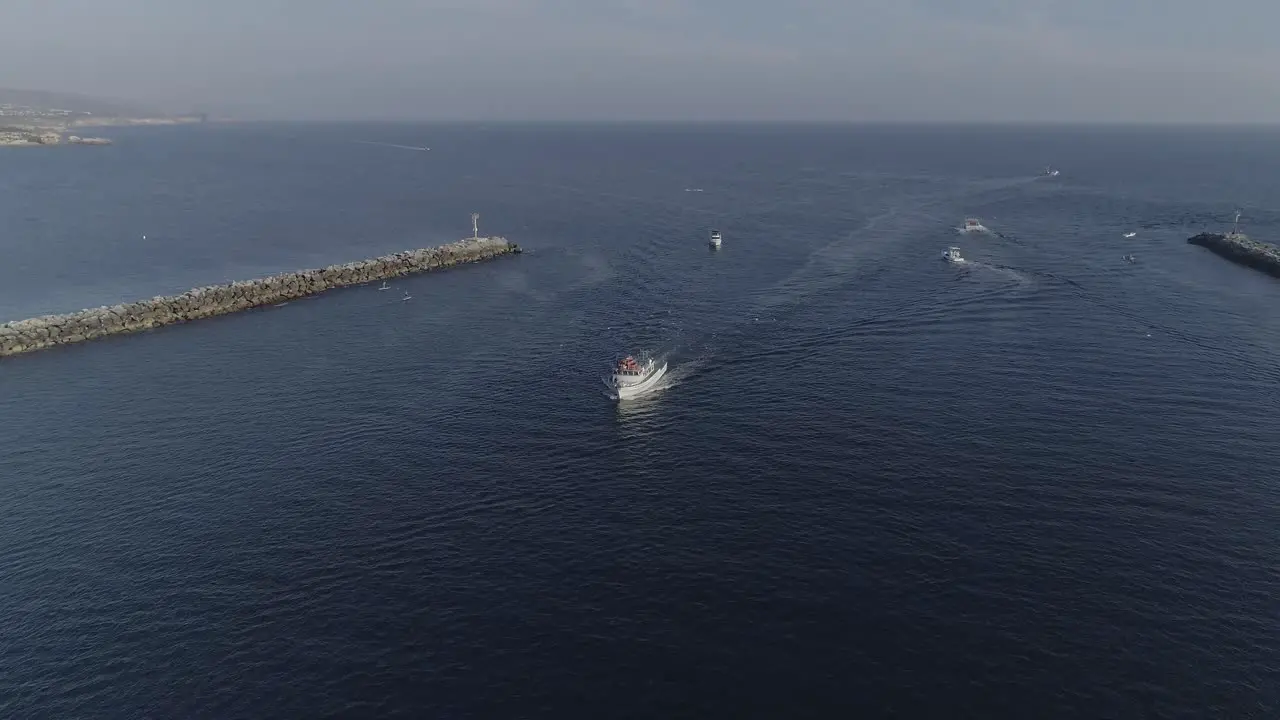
<point x="17" y="136"/>
<point x="43" y="131"/>
<point x="94" y="121"/>
<point x="40" y="132"/>
<point x="31" y="118"/>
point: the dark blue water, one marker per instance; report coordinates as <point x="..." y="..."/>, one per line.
<point x="1043" y="484"/>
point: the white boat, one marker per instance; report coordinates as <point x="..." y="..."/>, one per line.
<point x="973" y="225"/>
<point x="715" y="238"/>
<point x="632" y="376"/>
<point x="1050" y="172"/>
<point x="407" y="296"/>
<point x="952" y="255"/>
<point x="1130" y="234"/>
<point x="385" y="286"/>
<point x="1130" y="258"/>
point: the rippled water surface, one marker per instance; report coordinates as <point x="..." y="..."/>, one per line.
<point x="1039" y="484"/>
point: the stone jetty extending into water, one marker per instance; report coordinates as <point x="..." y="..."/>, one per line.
<point x="52" y="330"/>
<point x="1238" y="248"/>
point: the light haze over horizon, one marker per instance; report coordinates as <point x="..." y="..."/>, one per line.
<point x="837" y="60"/>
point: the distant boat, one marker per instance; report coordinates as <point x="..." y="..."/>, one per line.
<point x="385" y="286"/>
<point x="973" y="225"/>
<point x="1130" y="234"/>
<point x="1130" y="258"/>
<point x="1050" y="172"/>
<point x="715" y="238"/>
<point x="407" y="296"/>
<point x="952" y="255"/>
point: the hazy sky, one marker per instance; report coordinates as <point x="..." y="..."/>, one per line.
<point x="1107" y="60"/>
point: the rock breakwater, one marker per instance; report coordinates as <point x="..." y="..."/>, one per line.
<point x="1239" y="249"/>
<point x="52" y="330"/>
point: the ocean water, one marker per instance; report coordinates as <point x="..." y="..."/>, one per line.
<point x="1039" y="484"/>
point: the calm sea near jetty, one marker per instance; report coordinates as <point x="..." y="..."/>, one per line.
<point x="1042" y="484"/>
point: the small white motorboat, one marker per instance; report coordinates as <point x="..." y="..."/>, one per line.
<point x="1130" y="234"/>
<point x="952" y="255"/>
<point x="1050" y="172"/>
<point x="385" y="286"/>
<point x="407" y="296"/>
<point x="635" y="376"/>
<point x="715" y="238"/>
<point x="973" y="225"/>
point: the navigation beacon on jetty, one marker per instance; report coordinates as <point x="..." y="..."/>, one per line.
<point x="475" y="233"/>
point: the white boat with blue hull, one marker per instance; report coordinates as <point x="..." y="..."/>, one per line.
<point x="634" y="376"/>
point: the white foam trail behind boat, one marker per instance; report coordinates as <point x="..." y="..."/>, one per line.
<point x="677" y="374"/>
<point x="402" y="147"/>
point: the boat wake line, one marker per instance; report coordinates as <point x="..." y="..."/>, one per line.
<point x="857" y="252"/>
<point x="1083" y="293"/>
<point x="402" y="147"/>
<point x="862" y="252"/>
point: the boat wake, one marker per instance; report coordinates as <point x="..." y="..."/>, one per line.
<point x="829" y="265"/>
<point x="678" y="374"/>
<point x="862" y="253"/>
<point x="1245" y="356"/>
<point x="1019" y="277"/>
<point x="393" y="145"/>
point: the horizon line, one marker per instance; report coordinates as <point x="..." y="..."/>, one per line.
<point x="774" y="122"/>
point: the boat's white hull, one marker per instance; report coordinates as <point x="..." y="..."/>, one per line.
<point x="715" y="243"/>
<point x="624" y="392"/>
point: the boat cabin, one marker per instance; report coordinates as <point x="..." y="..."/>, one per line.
<point x="629" y="366"/>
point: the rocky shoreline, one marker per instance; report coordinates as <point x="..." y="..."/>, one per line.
<point x="1241" y="250"/>
<point x="52" y="330"/>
